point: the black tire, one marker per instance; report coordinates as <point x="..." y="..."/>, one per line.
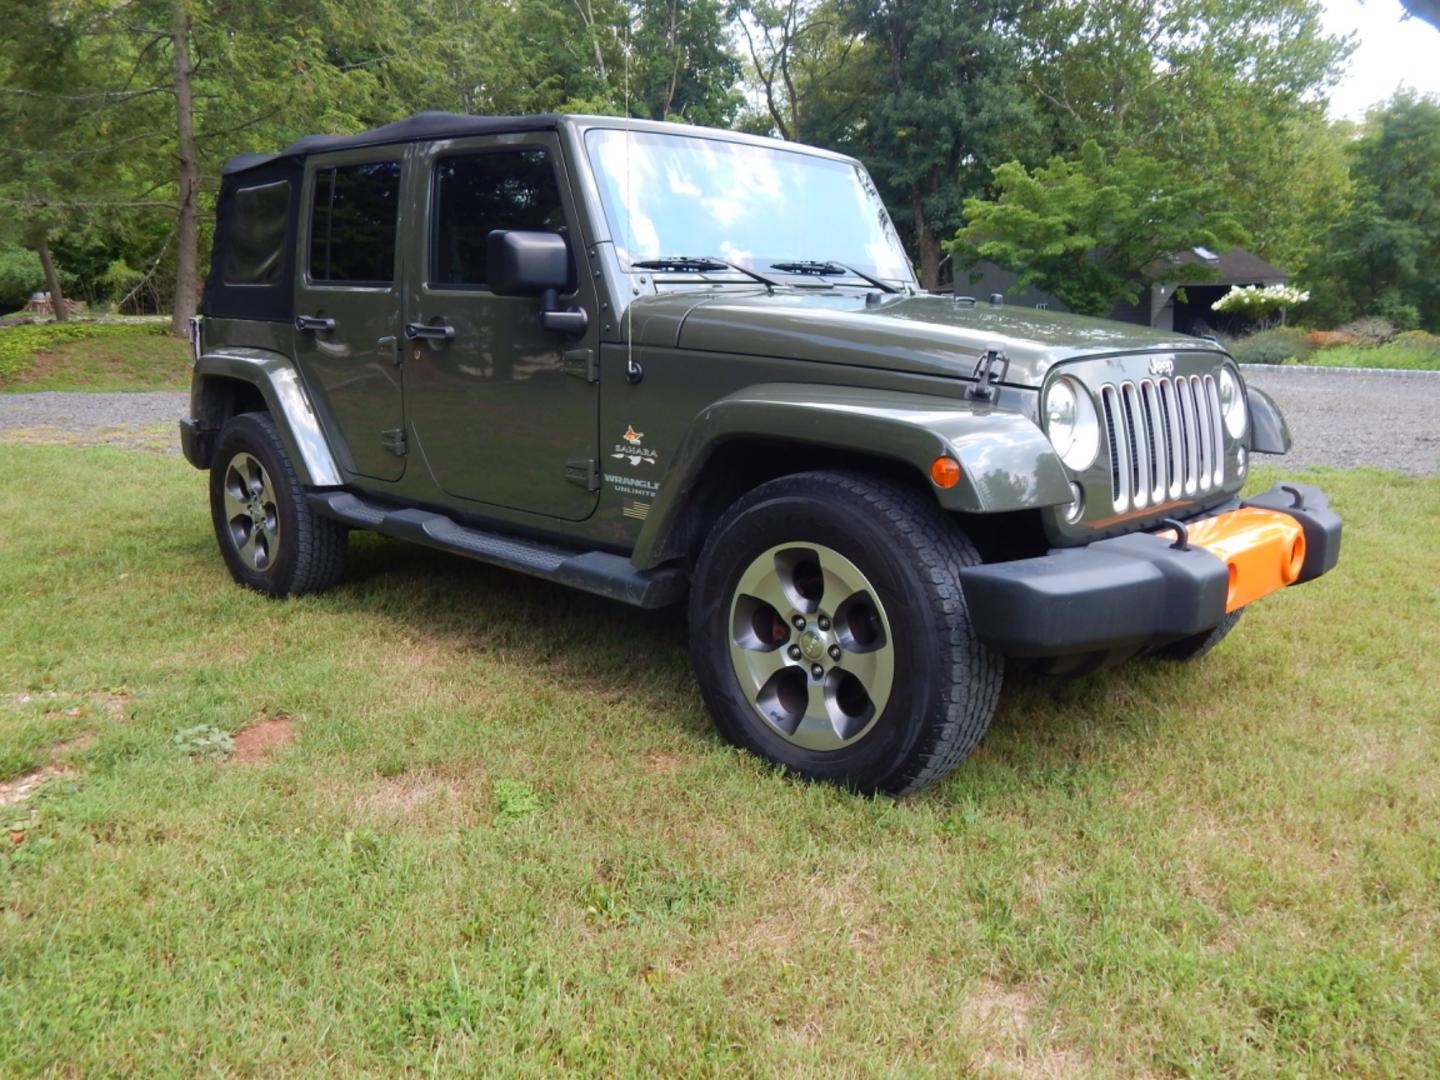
<point x="945" y="682"/>
<point x="308" y="552"/>
<point x="1197" y="645"/>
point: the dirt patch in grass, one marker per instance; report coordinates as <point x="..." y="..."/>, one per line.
<point x="1005" y="1016"/>
<point x="13" y="792"/>
<point x="261" y="740"/>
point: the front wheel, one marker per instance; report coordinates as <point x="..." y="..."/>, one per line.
<point x="829" y="632"/>
<point x="270" y="538"/>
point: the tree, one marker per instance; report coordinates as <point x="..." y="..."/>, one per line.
<point x="815" y="75"/>
<point x="1096" y="229"/>
<point x="1228" y="89"/>
<point x="1380" y="258"/>
<point x="951" y="106"/>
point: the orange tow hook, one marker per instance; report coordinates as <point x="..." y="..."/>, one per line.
<point x="1264" y="550"/>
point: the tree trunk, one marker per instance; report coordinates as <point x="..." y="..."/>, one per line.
<point x="929" y="242"/>
<point x="52" y="280"/>
<point x="187" y="219"/>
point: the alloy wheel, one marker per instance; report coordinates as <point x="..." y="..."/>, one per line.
<point x="811" y="645"/>
<point x="251" y="515"/>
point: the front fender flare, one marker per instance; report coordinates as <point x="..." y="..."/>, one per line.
<point x="274" y="375"/>
<point x="1006" y="462"/>
<point x="1269" y="433"/>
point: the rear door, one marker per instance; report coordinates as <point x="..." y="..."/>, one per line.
<point x="347" y="304"/>
<point x="504" y="412"/>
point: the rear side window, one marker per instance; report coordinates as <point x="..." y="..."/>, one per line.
<point x="352" y="226"/>
<point x="477" y="193"/>
<point x="256" y="249"/>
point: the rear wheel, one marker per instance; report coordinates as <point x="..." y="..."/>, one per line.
<point x="829" y="633"/>
<point x="270" y="538"/>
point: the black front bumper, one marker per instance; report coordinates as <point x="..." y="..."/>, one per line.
<point x="1115" y="598"/>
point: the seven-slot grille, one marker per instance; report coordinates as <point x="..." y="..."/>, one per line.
<point x="1166" y="439"/>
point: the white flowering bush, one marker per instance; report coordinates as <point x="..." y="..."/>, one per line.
<point x="1258" y="304"/>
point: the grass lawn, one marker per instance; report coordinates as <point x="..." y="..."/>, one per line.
<point x="1395" y="354"/>
<point x="109" y="356"/>
<point x="481" y="824"/>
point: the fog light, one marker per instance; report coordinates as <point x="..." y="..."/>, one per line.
<point x="1240" y="461"/>
<point x="1077" y="504"/>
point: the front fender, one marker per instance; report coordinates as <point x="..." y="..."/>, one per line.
<point x="1269" y="433"/>
<point x="1006" y="462"/>
<point x="274" y="375"/>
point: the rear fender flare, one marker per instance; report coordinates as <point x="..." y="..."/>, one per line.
<point x="1006" y="462"/>
<point x="274" y="375"/>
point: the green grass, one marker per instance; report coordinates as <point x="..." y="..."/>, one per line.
<point x="1416" y="354"/>
<point x="506" y="841"/>
<point x="92" y="356"/>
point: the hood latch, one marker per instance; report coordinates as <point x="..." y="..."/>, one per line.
<point x="986" y="376"/>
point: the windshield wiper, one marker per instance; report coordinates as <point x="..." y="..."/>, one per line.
<point x="830" y="267"/>
<point x="699" y="264"/>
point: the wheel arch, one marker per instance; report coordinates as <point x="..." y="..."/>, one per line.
<point x="232" y="381"/>
<point x="1008" y="467"/>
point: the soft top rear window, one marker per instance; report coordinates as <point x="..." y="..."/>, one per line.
<point x="255" y="254"/>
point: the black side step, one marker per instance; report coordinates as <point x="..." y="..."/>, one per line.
<point x="598" y="572"/>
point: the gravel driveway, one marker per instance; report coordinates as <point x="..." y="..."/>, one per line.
<point x="1342" y="420"/>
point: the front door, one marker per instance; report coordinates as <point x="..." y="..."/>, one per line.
<point x="347" y="305"/>
<point x="503" y="411"/>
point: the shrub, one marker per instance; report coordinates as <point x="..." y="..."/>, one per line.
<point x="1370" y="330"/>
<point x="20" y="275"/>
<point x="1328" y="339"/>
<point x="1272" y="346"/>
<point x="19" y="343"/>
<point x="1253" y="302"/>
<point x="1418" y="339"/>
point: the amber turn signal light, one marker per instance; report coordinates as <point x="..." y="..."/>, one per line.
<point x="945" y="471"/>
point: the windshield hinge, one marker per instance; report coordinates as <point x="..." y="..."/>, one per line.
<point x="584" y="472"/>
<point x="394" y="441"/>
<point x="986" y="376"/>
<point x="582" y="364"/>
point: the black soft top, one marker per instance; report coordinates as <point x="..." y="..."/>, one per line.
<point x="425" y="125"/>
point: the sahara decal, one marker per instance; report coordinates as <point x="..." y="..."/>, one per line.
<point x="632" y="449"/>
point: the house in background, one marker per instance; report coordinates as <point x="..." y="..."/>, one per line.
<point x="1159" y="305"/>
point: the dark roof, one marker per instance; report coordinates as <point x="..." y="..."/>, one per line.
<point x="425" y="125"/>
<point x="1235" y="267"/>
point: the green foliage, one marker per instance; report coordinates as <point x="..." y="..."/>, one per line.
<point x="1279" y="345"/>
<point x="204" y="741"/>
<point x="1224" y="89"/>
<point x="1096" y="229"/>
<point x="1380" y="258"/>
<point x="950" y="108"/>
<point x="19" y="343"/>
<point x="20" y="276"/>
<point x="1414" y="350"/>
<point x="515" y="800"/>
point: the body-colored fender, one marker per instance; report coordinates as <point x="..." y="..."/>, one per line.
<point x="1006" y="462"/>
<point x="273" y="374"/>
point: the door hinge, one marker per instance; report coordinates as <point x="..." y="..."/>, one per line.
<point x="394" y="441"/>
<point x="397" y="354"/>
<point x="582" y="363"/>
<point x="584" y="472"/>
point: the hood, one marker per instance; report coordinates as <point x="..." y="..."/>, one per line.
<point x="929" y="335"/>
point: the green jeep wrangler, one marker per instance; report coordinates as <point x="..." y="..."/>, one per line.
<point x="653" y="361"/>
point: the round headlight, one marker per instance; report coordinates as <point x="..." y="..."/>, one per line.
<point x="1071" y="423"/>
<point x="1232" y="403"/>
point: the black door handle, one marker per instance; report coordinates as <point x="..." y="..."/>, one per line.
<point x="314" y="322"/>
<point x="438" y="332"/>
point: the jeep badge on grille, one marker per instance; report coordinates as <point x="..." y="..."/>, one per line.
<point x="1161" y="365"/>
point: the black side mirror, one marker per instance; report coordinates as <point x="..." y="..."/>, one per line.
<point x="535" y="264"/>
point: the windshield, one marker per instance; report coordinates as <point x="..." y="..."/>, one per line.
<point x="673" y="195"/>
